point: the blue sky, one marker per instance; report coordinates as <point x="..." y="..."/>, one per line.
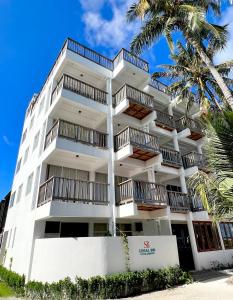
<point x="31" y="35"/>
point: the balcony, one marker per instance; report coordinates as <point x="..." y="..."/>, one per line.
<point x="193" y="125"/>
<point x="193" y="159"/>
<point x="148" y="196"/>
<point x="89" y="54"/>
<point x="171" y="158"/>
<point x="81" y="88"/>
<point x="158" y="85"/>
<point x="76" y="133"/>
<point x="196" y="203"/>
<point x="179" y="202"/>
<point x="70" y="190"/>
<point x="144" y="145"/>
<point x="165" y="121"/>
<point x="140" y="103"/>
<point x="125" y="55"/>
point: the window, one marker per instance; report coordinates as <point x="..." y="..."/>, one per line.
<point x="36" y="140"/>
<point x="227" y="234"/>
<point x="19" y="194"/>
<point x="32" y="122"/>
<point x="207" y="237"/>
<point x="24" y="136"/>
<point x="26" y="155"/>
<point x="29" y="184"/>
<point x="18" y="166"/>
<point x="12" y="199"/>
<point x="100" y="229"/>
<point x="125" y="229"/>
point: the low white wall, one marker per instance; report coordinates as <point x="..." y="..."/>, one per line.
<point x="57" y="258"/>
<point x="207" y="260"/>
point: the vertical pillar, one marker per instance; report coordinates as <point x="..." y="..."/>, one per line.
<point x="170" y="111"/>
<point x="183" y="183"/>
<point x="151" y="175"/>
<point x="92" y="179"/>
<point x="193" y="241"/>
<point x="111" y="177"/>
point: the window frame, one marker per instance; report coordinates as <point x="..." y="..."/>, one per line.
<point x="228" y="238"/>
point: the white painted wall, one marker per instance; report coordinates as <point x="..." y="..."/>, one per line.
<point x="57" y="258"/>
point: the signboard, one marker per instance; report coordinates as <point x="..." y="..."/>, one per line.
<point x="147" y="249"/>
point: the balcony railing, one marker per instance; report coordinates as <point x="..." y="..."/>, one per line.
<point x="137" y="138"/>
<point x="135" y="95"/>
<point x="81" y="88"/>
<point x="70" y="190"/>
<point x="178" y="201"/>
<point x="159" y="86"/>
<point x="131" y="58"/>
<point x="76" y="133"/>
<point x="141" y="192"/>
<point x="171" y="157"/>
<point x="165" y="119"/>
<point x="185" y="122"/>
<point x="196" y="203"/>
<point x="194" y="159"/>
<point x="90" y="54"/>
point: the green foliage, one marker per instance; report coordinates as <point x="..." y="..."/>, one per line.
<point x="13" y="280"/>
<point x="5" y="291"/>
<point x="109" y="287"/>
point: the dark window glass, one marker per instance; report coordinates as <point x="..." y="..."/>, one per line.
<point x="52" y="227"/>
<point x="227" y="234"/>
<point x="74" y="229"/>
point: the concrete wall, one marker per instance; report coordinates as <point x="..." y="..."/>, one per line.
<point x="210" y="259"/>
<point x="57" y="258"/>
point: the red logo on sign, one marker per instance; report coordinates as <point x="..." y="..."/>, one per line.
<point x="146" y="244"/>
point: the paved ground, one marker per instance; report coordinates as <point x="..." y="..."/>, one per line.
<point x="211" y="285"/>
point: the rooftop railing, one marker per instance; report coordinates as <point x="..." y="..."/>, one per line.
<point x="171" y="157"/>
<point x="192" y="159"/>
<point x="90" y="54"/>
<point x="141" y="192"/>
<point x="135" y="95"/>
<point x="81" y="88"/>
<point x="137" y="138"/>
<point x="76" y="133"/>
<point x="158" y="85"/>
<point x="131" y="58"/>
<point x="185" y="122"/>
<point x="178" y="201"/>
<point x="165" y="119"/>
<point x="71" y="190"/>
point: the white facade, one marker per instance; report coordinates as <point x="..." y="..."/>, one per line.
<point x="104" y="150"/>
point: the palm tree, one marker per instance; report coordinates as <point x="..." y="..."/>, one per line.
<point x="190" y="75"/>
<point x="165" y="17"/>
<point x="216" y="188"/>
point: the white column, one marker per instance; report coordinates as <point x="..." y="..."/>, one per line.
<point x="183" y="184"/>
<point x="111" y="178"/>
<point x="170" y="111"/>
<point x="151" y="175"/>
<point x="92" y="179"/>
<point x="193" y="241"/>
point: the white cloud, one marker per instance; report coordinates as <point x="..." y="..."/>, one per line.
<point x="114" y="32"/>
<point x="227" y="53"/>
<point x="6" y="140"/>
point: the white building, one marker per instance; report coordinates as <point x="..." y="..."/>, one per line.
<point x="104" y="150"/>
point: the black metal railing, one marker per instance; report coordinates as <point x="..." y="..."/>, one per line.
<point x="90" y="54"/>
<point x="165" y="119"/>
<point x="81" y="88"/>
<point x="196" y="203"/>
<point x="192" y="159"/>
<point x="137" y="138"/>
<point x="159" y="86"/>
<point x="71" y="190"/>
<point x="135" y="95"/>
<point x="131" y="58"/>
<point x="178" y="201"/>
<point x="76" y="133"/>
<point x="141" y="192"/>
<point x="170" y="156"/>
<point x="185" y="122"/>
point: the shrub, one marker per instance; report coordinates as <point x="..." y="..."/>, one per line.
<point x="98" y="287"/>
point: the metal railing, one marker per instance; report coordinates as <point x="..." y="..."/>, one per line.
<point x="76" y="133"/>
<point x="196" y="203"/>
<point x="192" y="159"/>
<point x="71" y="190"/>
<point x="141" y="192"/>
<point x="135" y="95"/>
<point x="178" y="201"/>
<point x="81" y="88"/>
<point x="165" y="119"/>
<point x="131" y="58"/>
<point x="90" y="54"/>
<point x="170" y="156"/>
<point x="185" y="122"/>
<point x="159" y="86"/>
<point x="136" y="138"/>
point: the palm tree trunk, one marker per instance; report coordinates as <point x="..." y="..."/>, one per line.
<point x="222" y="85"/>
